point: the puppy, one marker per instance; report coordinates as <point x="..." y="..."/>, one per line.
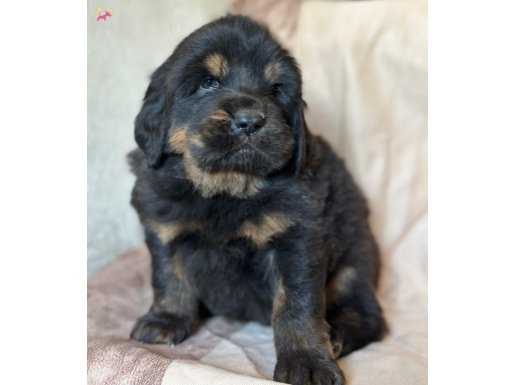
<point x="246" y="214"/>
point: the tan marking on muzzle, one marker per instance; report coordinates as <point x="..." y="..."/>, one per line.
<point x="196" y="139"/>
<point x="220" y="115"/>
<point x="178" y="140"/>
<point x="230" y="182"/>
<point x="217" y="65"/>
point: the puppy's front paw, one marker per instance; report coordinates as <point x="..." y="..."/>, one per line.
<point x="305" y="368"/>
<point x="162" y="328"/>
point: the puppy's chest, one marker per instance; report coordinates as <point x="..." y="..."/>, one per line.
<point x="235" y="282"/>
<point x="225" y="252"/>
<point x="219" y="223"/>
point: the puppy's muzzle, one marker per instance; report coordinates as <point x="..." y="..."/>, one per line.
<point x="247" y="121"/>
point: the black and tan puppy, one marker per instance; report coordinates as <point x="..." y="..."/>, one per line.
<point x="246" y="214"/>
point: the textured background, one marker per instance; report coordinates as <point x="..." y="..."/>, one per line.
<point x="122" y="53"/>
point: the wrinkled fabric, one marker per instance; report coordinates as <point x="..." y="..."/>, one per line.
<point x="365" y="82"/>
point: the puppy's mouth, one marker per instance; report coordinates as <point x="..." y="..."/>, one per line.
<point x="241" y="151"/>
<point x="247" y="146"/>
<point x="220" y="136"/>
<point x="250" y="150"/>
<point x="243" y="143"/>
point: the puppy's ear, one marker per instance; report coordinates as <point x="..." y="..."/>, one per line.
<point x="152" y="122"/>
<point x="302" y="138"/>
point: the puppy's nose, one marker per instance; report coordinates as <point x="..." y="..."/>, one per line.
<point x="247" y="121"/>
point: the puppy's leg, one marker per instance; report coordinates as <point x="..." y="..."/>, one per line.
<point x="301" y="334"/>
<point x="355" y="320"/>
<point x="353" y="312"/>
<point x="173" y="313"/>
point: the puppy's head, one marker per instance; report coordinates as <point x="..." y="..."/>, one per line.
<point x="229" y="99"/>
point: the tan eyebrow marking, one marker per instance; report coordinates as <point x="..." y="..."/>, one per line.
<point x="217" y="65"/>
<point x="273" y="71"/>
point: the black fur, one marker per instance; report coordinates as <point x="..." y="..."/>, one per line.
<point x="267" y="226"/>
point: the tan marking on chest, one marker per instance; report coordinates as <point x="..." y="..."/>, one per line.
<point x="167" y="232"/>
<point x="211" y="183"/>
<point x="269" y="226"/>
<point x="217" y="65"/>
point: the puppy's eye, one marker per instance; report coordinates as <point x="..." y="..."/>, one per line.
<point x="209" y="83"/>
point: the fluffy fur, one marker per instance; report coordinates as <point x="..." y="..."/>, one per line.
<point x="246" y="214"/>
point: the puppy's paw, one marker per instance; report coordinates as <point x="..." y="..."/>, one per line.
<point x="162" y="328"/>
<point x="306" y="368"/>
